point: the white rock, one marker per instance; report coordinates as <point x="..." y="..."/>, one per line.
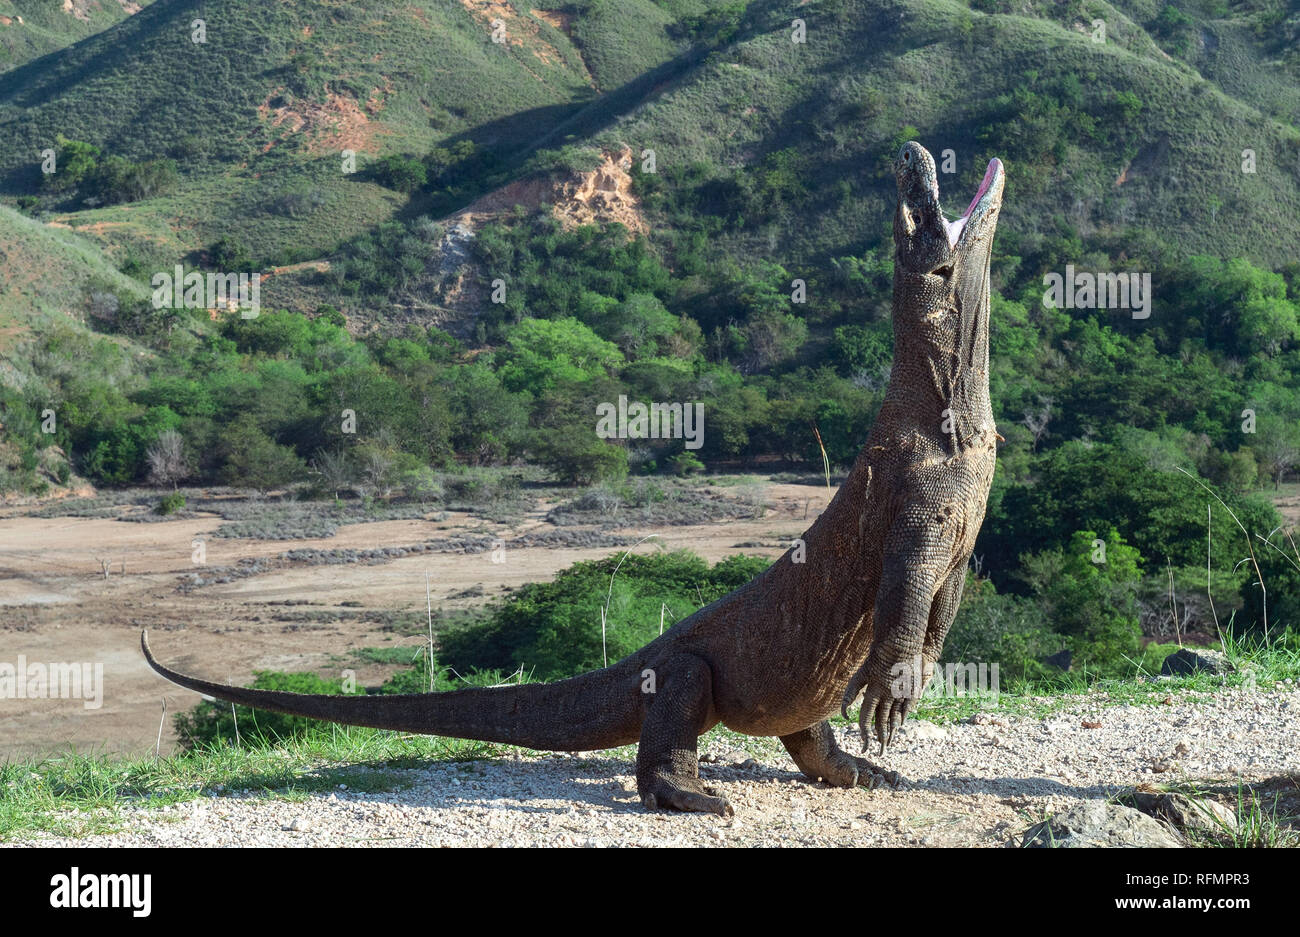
<point x="922" y="730"/>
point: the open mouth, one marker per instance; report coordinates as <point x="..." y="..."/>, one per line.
<point x="978" y="204"/>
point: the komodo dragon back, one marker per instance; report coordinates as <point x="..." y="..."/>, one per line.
<point x="863" y="611"/>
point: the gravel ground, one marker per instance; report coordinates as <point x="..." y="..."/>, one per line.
<point x="977" y="783"/>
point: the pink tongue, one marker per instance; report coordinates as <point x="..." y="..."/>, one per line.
<point x="984" y="187"/>
<point x="955" y="228"/>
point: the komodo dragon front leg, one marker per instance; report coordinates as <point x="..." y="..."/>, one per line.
<point x="942" y="614"/>
<point x="909" y="602"/>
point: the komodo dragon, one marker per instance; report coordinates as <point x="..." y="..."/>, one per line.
<point x="870" y="606"/>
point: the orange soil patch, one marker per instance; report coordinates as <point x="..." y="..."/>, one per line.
<point x="561" y="21"/>
<point x="77" y="9"/>
<point x="602" y="195"/>
<point x="338" y="124"/>
<point x="520" y="27"/>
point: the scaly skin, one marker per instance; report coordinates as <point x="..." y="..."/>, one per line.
<point x="869" y="607"/>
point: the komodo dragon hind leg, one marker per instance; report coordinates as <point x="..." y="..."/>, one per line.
<point x="818" y="755"/>
<point x="667" y="763"/>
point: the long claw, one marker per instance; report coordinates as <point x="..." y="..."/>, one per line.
<point x="853" y="690"/>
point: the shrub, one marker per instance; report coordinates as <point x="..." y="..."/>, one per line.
<point x="171" y="503"/>
<point x="401" y="173"/>
<point x="554" y="628"/>
<point x="686" y="463"/>
<point x="578" y="456"/>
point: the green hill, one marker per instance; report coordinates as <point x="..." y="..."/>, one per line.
<point x="32" y="28"/>
<point x="49" y="273"/>
<point x="1095" y="135"/>
<point x="257" y="116"/>
<point x="1143" y="131"/>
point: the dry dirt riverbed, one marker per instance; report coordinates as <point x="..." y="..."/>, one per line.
<point x="979" y="783"/>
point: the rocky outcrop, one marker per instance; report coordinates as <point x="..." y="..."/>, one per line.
<point x="1098" y="824"/>
<point x="1189" y="660"/>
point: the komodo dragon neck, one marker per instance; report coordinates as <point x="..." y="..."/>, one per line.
<point x="866" y="595"/>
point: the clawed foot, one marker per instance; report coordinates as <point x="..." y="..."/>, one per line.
<point x="883" y="710"/>
<point x="873" y="776"/>
<point x="846" y="770"/>
<point x="685" y="794"/>
<point x="884" y="714"/>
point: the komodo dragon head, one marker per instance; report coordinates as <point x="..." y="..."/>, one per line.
<point x="942" y="265"/>
<point x="926" y="241"/>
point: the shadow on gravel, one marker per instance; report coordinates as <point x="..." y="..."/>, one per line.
<point x="1013" y="787"/>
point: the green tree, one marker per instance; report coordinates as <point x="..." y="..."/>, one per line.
<point x="74" y="162"/>
<point x="402" y="173"/>
<point x="255" y="460"/>
<point x="541" y="353"/>
<point x="1088" y="593"/>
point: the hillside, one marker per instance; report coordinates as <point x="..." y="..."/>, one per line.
<point x="260" y="148"/>
<point x="48" y="273"/>
<point x="1106" y="137"/>
<point x="30" y="29"/>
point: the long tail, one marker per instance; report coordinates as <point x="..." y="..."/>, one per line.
<point x="600" y="709"/>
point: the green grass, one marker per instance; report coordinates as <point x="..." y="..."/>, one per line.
<point x="79" y="794"/>
<point x="1258" y="665"/>
<point x="48" y="272"/>
<point x="1265" y="813"/>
